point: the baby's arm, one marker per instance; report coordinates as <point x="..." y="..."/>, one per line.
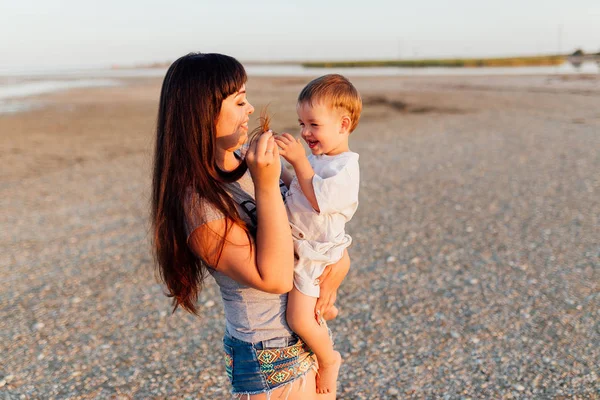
<point x="291" y="149"/>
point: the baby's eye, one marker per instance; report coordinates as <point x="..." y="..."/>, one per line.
<point x="301" y="124"/>
<point x="314" y="124"/>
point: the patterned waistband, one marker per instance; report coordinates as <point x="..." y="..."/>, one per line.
<point x="284" y="364"/>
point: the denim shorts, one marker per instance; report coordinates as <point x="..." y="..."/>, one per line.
<point x="264" y="366"/>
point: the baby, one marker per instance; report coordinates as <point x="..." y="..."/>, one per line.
<point x="321" y="199"/>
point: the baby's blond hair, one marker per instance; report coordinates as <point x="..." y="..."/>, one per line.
<point x="336" y="91"/>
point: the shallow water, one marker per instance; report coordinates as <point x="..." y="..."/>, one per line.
<point x="12" y="92"/>
<point x="34" y="88"/>
<point x="17" y="85"/>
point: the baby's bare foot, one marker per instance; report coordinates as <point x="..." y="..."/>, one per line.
<point x="328" y="374"/>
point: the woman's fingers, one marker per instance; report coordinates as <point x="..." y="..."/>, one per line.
<point x="263" y="161"/>
<point x="262" y="143"/>
<point x="262" y="149"/>
<point x="271" y="149"/>
<point x="324" y="275"/>
<point x="324" y="303"/>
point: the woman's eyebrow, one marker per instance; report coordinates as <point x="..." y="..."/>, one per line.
<point x="243" y="91"/>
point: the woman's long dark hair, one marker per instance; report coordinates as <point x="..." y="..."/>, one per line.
<point x="190" y="101"/>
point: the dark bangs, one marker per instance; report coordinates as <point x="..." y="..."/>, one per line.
<point x="212" y="76"/>
<point x="230" y="74"/>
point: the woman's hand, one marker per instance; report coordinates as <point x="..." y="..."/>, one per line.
<point x="330" y="280"/>
<point x="263" y="161"/>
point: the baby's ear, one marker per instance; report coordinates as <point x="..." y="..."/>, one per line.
<point x="346" y="123"/>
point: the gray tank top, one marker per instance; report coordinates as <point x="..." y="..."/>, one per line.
<point x="251" y="315"/>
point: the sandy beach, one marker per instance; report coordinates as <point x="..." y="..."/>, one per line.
<point x="475" y="264"/>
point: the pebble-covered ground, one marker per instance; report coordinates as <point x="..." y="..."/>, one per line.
<point x="475" y="263"/>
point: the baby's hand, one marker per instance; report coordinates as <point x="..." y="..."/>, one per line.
<point x="291" y="149"/>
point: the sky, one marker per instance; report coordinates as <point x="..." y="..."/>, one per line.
<point x="40" y="34"/>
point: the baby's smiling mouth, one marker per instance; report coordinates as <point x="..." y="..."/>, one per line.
<point x="312" y="143"/>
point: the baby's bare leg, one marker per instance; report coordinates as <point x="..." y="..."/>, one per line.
<point x="301" y="318"/>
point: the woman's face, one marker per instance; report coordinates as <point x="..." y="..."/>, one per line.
<point x="232" y="122"/>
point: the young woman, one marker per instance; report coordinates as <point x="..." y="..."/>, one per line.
<point x="215" y="210"/>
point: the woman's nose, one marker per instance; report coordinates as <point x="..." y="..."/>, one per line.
<point x="251" y="109"/>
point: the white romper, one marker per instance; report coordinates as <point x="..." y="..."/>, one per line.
<point x="319" y="237"/>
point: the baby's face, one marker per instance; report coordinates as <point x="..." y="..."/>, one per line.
<point x="323" y="128"/>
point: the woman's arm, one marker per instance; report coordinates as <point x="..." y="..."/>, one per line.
<point x="238" y="259"/>
<point x="266" y="263"/>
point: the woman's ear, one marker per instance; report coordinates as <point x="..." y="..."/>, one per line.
<point x="345" y="125"/>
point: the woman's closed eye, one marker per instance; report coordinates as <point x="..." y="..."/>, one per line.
<point x="243" y="100"/>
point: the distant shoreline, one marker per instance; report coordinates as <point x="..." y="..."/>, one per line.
<point x="517" y="61"/>
<point x="534" y="61"/>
